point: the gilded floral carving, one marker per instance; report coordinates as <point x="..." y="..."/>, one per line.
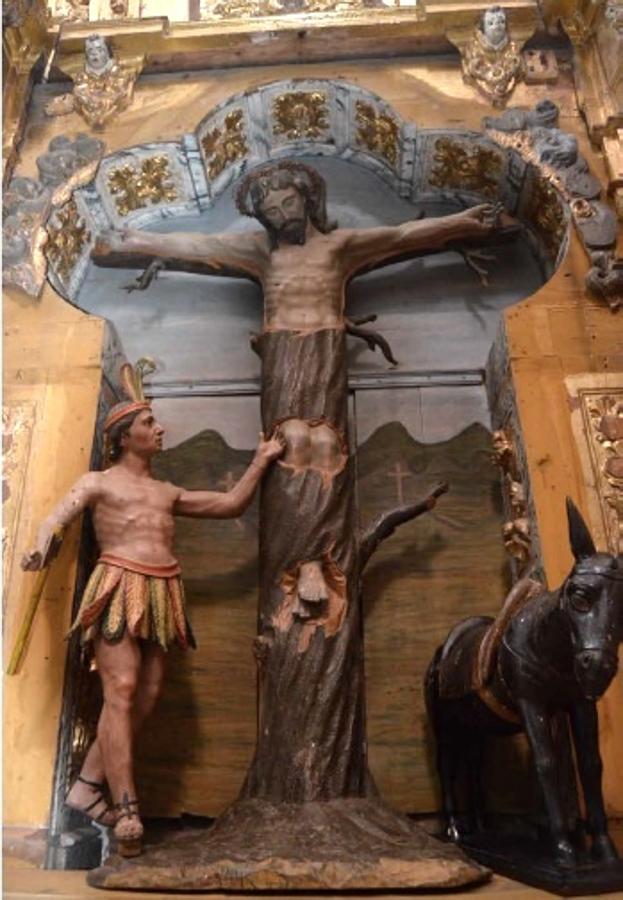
<point x="546" y="212"/>
<point x="223" y="146"/>
<point x="516" y="530"/>
<point x="136" y="186"/>
<point x="301" y="114"/>
<point x="605" y="412"/>
<point x="67" y="237"/>
<point x="377" y="131"/>
<point x="466" y="168"/>
<point x="244" y="9"/>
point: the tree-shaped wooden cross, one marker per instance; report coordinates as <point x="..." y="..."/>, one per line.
<point x="308" y="816"/>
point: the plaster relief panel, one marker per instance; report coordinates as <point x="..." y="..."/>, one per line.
<point x="148" y="183"/>
<point x="597" y="420"/>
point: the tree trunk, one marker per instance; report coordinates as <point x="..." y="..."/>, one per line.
<point x="311" y="740"/>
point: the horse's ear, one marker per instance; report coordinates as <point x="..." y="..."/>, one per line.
<point x="579" y="536"/>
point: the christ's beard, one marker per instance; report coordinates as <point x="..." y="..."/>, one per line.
<point x="293" y="232"/>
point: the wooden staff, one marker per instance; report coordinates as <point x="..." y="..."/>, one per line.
<point x="21" y="640"/>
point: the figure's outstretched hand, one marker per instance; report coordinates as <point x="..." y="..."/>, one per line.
<point x="268" y="450"/>
<point x="40" y="556"/>
<point x="485" y="215"/>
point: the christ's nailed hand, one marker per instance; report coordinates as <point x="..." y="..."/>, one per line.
<point x="267" y="450"/>
<point x="487" y="215"/>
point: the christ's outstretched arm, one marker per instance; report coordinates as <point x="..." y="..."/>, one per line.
<point x="370" y="247"/>
<point x="239" y="255"/>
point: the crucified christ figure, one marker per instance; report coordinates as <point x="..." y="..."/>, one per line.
<point x="310" y="757"/>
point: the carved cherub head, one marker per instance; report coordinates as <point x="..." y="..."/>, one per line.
<point x="97" y="55"/>
<point x="494" y="26"/>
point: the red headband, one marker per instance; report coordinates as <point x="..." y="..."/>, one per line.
<point x="129" y="408"/>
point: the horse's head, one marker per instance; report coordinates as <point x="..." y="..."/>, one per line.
<point x="592" y="600"/>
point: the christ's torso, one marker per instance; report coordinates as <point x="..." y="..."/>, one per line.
<point x="304" y="286"/>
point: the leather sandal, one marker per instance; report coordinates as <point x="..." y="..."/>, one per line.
<point x="100" y="798"/>
<point x="128" y="829"/>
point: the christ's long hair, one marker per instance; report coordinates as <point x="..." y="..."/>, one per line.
<point x="277" y="176"/>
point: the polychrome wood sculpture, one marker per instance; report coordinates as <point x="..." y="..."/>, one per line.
<point x="544" y="662"/>
<point x="133" y="606"/>
<point x="308" y="815"/>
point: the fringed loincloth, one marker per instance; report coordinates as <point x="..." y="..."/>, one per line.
<point x="147" y="600"/>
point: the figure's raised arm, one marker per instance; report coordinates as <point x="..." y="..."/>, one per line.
<point x="218" y="505"/>
<point x="367" y="248"/>
<point x="75" y="501"/>
<point x="238" y="255"/>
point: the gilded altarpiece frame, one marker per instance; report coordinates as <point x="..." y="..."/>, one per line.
<point x="596" y="403"/>
<point x="18" y="422"/>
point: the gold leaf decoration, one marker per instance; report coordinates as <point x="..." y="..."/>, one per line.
<point x="606" y="438"/>
<point x="466" y="168"/>
<point x="136" y="187"/>
<point x="301" y="114"/>
<point x="66" y="239"/>
<point x="545" y="211"/>
<point x="378" y="131"/>
<point x="223" y="146"/>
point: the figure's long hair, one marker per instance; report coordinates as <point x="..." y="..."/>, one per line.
<point x="277" y="176"/>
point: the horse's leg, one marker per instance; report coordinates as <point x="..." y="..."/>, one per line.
<point x="445" y="755"/>
<point x="537" y="724"/>
<point x="585" y="728"/>
<point x="567" y="782"/>
<point x="476" y="793"/>
<point x="447" y="768"/>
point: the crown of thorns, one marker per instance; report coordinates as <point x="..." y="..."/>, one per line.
<point x="303" y="175"/>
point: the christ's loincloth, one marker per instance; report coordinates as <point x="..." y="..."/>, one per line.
<point x="146" y="600"/>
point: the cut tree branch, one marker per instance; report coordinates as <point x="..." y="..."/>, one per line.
<point x="372" y="338"/>
<point x="386" y="524"/>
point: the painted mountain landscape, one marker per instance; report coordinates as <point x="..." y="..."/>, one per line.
<point x="434" y="571"/>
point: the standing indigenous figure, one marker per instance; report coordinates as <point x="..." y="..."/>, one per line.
<point x="311" y="743"/>
<point x="491" y="59"/>
<point x="133" y="606"/>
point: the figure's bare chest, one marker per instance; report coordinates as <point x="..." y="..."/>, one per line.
<point x="137" y="496"/>
<point x="307" y="270"/>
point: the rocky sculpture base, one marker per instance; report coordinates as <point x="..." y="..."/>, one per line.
<point x="349" y="844"/>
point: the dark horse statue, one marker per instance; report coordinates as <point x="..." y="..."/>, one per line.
<point x="543" y="662"/>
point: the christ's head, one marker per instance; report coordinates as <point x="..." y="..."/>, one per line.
<point x="286" y="197"/>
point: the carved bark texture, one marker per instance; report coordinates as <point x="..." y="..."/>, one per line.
<point x="311" y="740"/>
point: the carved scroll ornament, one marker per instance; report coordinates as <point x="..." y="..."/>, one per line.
<point x="564" y="175"/>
